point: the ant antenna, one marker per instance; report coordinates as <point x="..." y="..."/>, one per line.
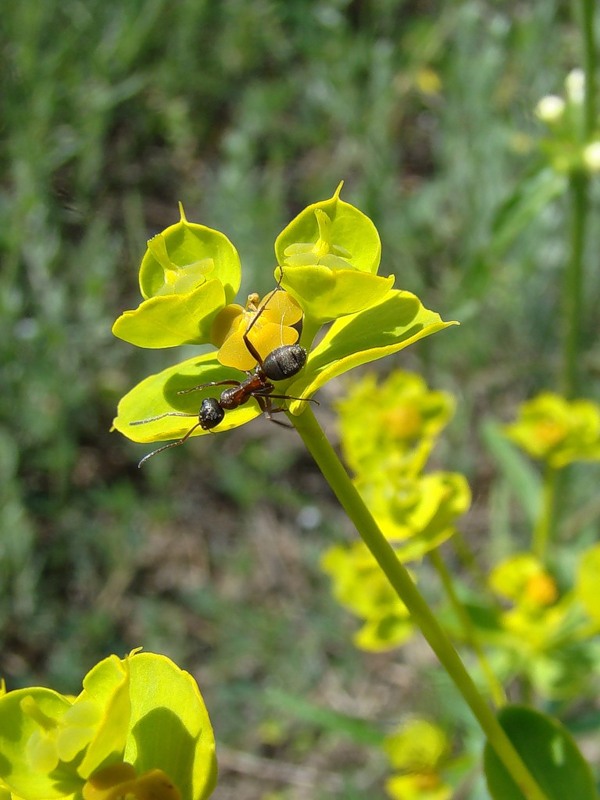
<point x="171" y="444"/>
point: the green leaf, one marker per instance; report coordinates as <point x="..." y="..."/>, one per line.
<point x="185" y="253"/>
<point x="325" y="294"/>
<point x="549" y="752"/>
<point x="516" y="469"/>
<point x="168" y="320"/>
<point x="347" y="233"/>
<point x="526" y="203"/>
<point x="158" y="394"/>
<point x="355" y="728"/>
<point x="385" y="328"/>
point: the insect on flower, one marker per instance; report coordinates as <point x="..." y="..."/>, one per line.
<point x="280" y="364"/>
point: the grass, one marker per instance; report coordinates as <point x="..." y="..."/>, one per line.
<point x="246" y="112"/>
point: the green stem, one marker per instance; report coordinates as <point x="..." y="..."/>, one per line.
<point x="588" y="632"/>
<point x="342" y="486"/>
<point x="579" y="194"/>
<point x="469" y="564"/>
<point x="573" y="288"/>
<point x="470" y="635"/>
<point x="589" y="64"/>
<point x="544" y="527"/>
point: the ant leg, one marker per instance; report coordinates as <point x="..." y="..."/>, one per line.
<point x="265" y="302"/>
<point x="251" y="349"/>
<point x="206" y="385"/>
<point x="278" y="421"/>
<point x="266" y="393"/>
<point x="276" y="409"/>
<point x="264" y="401"/>
<point x="161" y="416"/>
<point x="171" y="444"/>
<point x="290" y="397"/>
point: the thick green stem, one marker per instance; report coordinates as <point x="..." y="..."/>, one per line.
<point x="342" y="486"/>
<point x="469" y="632"/>
<point x="544" y="528"/>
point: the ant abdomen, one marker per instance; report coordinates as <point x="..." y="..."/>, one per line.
<point x="284" y="362"/>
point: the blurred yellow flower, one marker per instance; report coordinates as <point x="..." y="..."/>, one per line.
<point x="428" y="81"/>
<point x="360" y="585"/>
<point x="416" y="514"/>
<point x="537" y="610"/>
<point x="417" y="749"/>
<point x="556" y="430"/>
<point x="524" y="581"/>
<point x="405" y="418"/>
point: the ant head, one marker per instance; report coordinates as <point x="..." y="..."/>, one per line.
<point x="211" y="413"/>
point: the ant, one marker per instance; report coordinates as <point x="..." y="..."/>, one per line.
<point x="282" y="363"/>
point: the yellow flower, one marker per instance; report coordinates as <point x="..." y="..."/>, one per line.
<point x="557" y="430"/>
<point x="418" y="749"/>
<point x="272" y="320"/>
<point x="524" y="581"/>
<point x="360" y="585"/>
<point x="405" y="417"/>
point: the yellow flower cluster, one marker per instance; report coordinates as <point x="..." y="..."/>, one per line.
<point x="415" y="511"/>
<point x="556" y="430"/>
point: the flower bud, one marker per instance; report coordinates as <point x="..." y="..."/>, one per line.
<point x="591" y="156"/>
<point x="550" y="108"/>
<point x="575" y="86"/>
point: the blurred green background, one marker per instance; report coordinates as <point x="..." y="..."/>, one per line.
<point x="112" y="112"/>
